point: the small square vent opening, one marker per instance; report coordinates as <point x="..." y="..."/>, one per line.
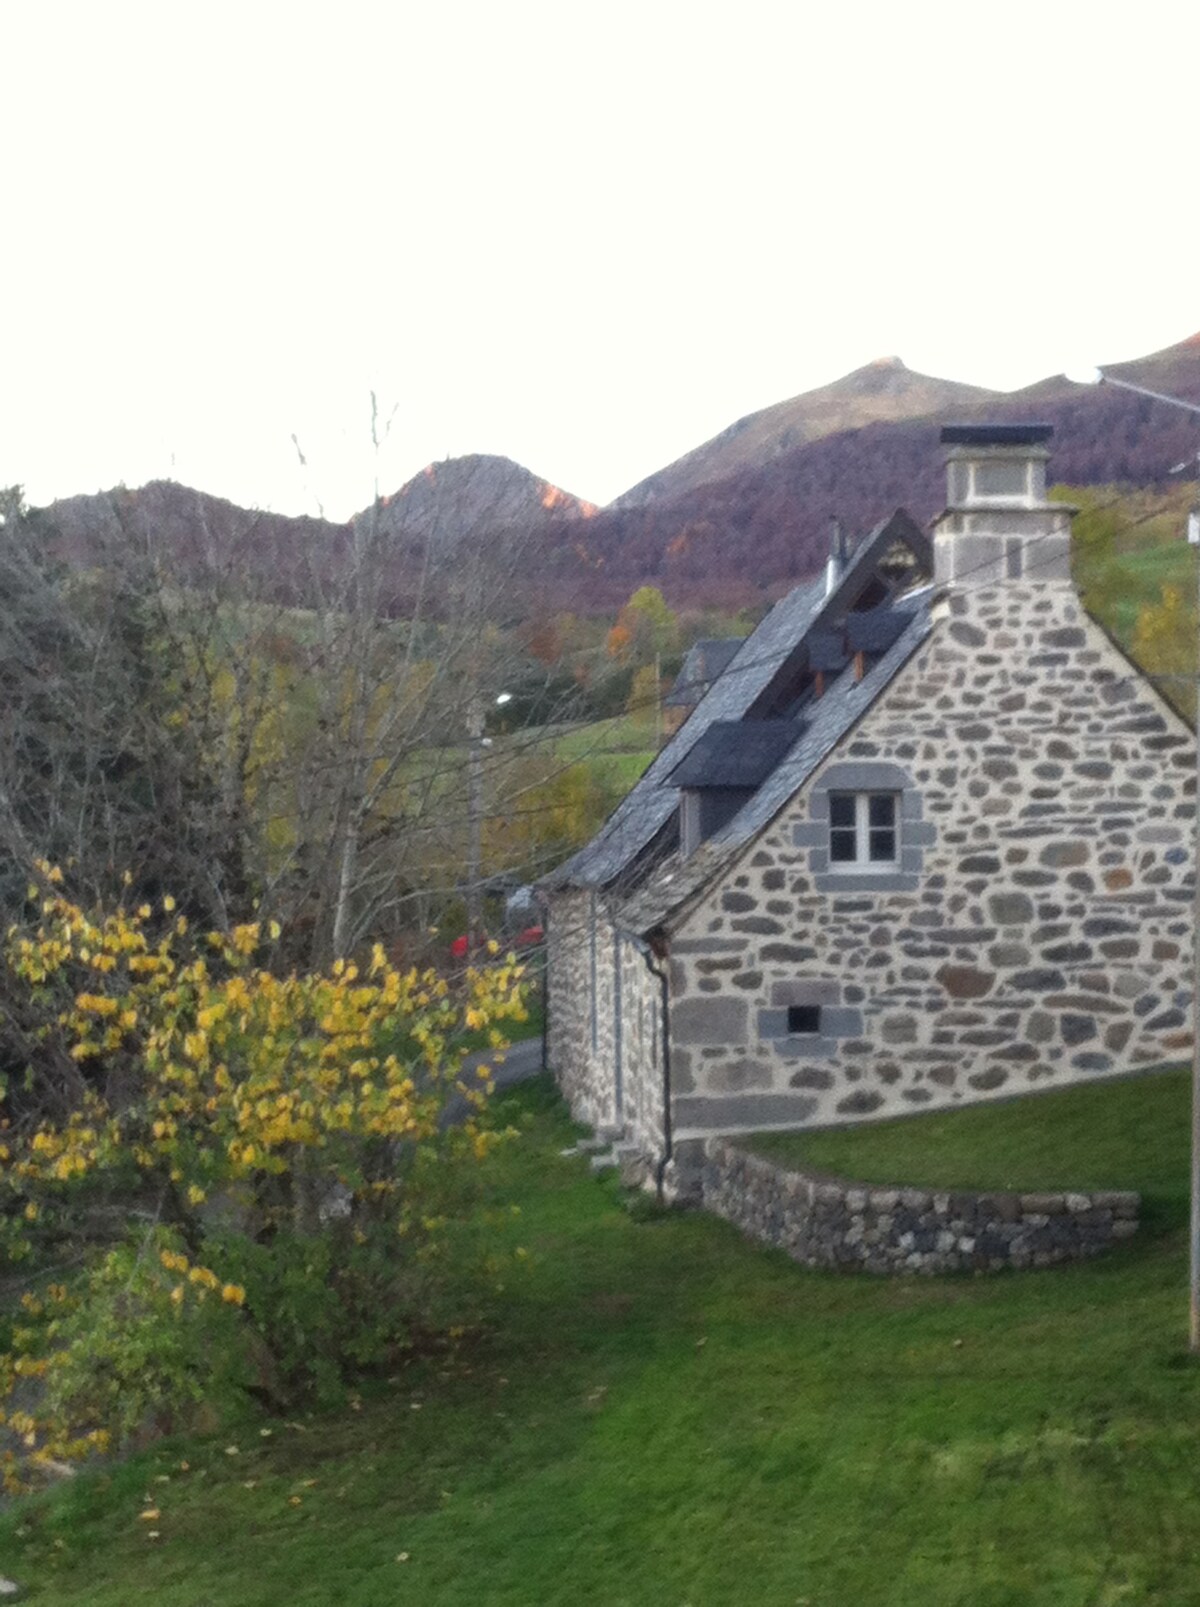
<point x="804" y="1018"/>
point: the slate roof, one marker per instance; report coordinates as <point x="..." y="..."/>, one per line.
<point x="638" y="820"/>
<point x="874" y="630"/>
<point x="826" y="651"/>
<point x="643" y="812"/>
<point x="736" y="753"/>
<point x="830" y="718"/>
<point x="706" y="659"/>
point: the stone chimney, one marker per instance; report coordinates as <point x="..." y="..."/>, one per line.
<point x="997" y="525"/>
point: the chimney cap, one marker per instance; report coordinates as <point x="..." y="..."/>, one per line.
<point x="996" y="434"/>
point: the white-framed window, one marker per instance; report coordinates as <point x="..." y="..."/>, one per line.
<point x="864" y="830"/>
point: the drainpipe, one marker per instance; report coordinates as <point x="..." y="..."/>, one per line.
<point x="647" y="954"/>
<point x="668" y="1137"/>
<point x="542" y="904"/>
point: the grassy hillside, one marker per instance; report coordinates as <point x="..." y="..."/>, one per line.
<point x="1137" y="575"/>
<point x="665" y="1412"/>
<point x="1128" y="545"/>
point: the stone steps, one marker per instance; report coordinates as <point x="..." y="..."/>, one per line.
<point x="607" y="1149"/>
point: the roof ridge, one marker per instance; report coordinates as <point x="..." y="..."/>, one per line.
<point x="647" y="808"/>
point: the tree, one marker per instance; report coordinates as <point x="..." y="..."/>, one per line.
<point x="274" y="726"/>
<point x="1164" y="645"/>
<point x="103" y="742"/>
<point x="645" y="702"/>
<point x="645" y="628"/>
<point x="275" y="1143"/>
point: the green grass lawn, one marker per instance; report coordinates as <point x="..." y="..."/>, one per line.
<point x="615" y="752"/>
<point x="1133" y="1134"/>
<point x="665" y="1413"/>
<point x="1127" y="546"/>
<point x="623" y="733"/>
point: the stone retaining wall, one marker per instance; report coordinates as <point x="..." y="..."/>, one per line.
<point x="828" y="1222"/>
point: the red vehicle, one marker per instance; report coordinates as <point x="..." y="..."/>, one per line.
<point x="529" y="938"/>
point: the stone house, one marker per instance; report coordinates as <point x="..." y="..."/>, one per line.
<point x="926" y="840"/>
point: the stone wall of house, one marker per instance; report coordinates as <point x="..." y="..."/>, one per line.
<point x="1035" y="931"/>
<point x="605" y="1028"/>
<point x="828" y="1222"/>
<point x="638" y="1053"/>
<point x="576" y="1028"/>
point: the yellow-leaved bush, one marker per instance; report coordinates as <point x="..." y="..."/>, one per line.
<point x="273" y="1146"/>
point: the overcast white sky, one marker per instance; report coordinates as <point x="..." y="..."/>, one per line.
<point x="585" y="236"/>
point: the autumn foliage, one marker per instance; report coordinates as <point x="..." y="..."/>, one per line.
<point x="261" y="1157"/>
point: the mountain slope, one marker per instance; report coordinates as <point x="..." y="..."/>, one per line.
<point x="472" y="496"/>
<point x="768" y="525"/>
<point x="423" y="527"/>
<point x="165" y="518"/>
<point x="1175" y="370"/>
<point x="728" y="540"/>
<point x="882" y="390"/>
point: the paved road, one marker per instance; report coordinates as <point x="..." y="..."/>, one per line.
<point x="522" y="1061"/>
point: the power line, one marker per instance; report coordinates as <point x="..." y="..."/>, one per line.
<point x="964" y="716"/>
<point x="1134" y="676"/>
<point x="742" y="667"/>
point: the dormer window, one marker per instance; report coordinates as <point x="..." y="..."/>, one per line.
<point x="723" y="771"/>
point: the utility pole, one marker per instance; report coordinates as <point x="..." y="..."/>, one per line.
<point x="474" y="823"/>
<point x="1097" y="376"/>
<point x="476" y="743"/>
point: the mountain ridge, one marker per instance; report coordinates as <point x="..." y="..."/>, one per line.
<point x="736" y="538"/>
<point x="882" y="390"/>
<point x="765" y="526"/>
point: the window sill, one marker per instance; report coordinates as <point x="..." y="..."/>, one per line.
<point x="885" y="879"/>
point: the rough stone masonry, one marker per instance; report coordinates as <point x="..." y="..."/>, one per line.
<point x="828" y="1222"/>
<point x="1036" y="930"/>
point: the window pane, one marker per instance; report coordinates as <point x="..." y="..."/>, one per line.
<point x="841" y="809"/>
<point x="883" y="844"/>
<point x="841" y="845"/>
<point x="882" y="807"/>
